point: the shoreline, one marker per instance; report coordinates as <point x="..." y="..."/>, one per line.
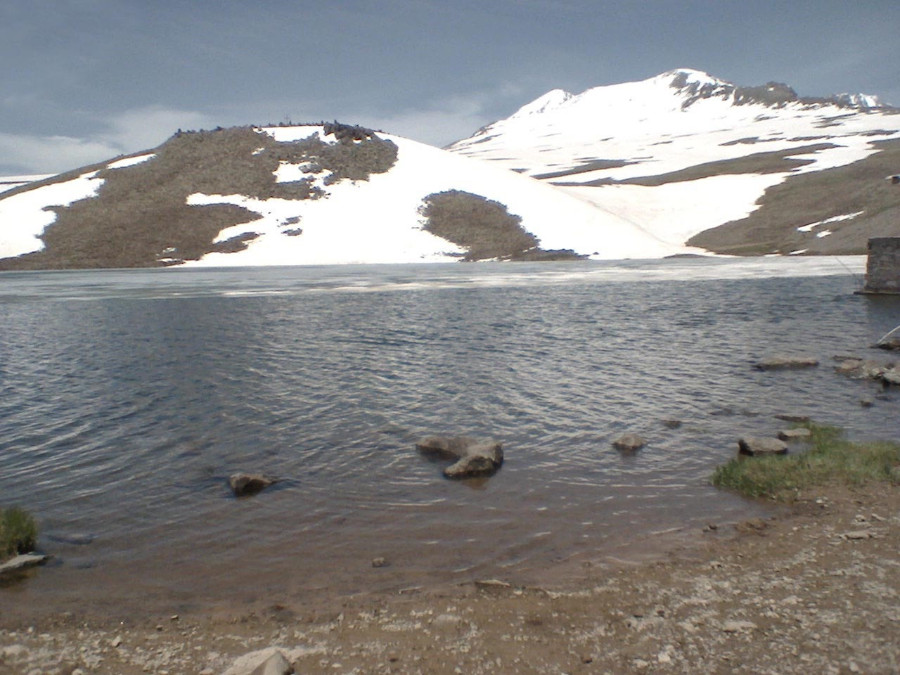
<point x="812" y="588"/>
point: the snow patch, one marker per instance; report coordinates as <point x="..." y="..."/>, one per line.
<point x="675" y="212"/>
<point x="827" y="221"/>
<point x="24" y="216"/>
<point x="131" y="161"/>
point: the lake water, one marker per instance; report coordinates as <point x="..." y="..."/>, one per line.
<point x="129" y="397"/>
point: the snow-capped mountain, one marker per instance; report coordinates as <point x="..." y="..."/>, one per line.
<point x="680" y="163"/>
<point x="317" y="194"/>
<point x="684" y="152"/>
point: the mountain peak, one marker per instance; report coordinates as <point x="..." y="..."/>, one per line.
<point x="549" y="101"/>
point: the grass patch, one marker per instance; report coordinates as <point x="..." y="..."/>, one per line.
<point x="831" y="460"/>
<point x="18" y="532"/>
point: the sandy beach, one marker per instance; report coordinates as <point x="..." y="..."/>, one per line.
<point x="814" y="588"/>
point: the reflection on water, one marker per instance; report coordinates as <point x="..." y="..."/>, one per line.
<point x="128" y="397"/>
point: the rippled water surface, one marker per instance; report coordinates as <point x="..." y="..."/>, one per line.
<point x="128" y="397"/>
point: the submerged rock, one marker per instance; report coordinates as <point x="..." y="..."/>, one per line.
<point x="473" y="457"/>
<point x="246" y="484"/>
<point x="761" y="446"/>
<point x="629" y="443"/>
<point x="786" y="362"/>
<point x="791" y="417"/>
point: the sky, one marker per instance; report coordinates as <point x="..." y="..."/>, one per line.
<point x="83" y="81"/>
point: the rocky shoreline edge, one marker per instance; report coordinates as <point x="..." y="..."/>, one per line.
<point x="812" y="589"/>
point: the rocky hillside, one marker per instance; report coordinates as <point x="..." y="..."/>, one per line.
<point x="312" y="194"/>
<point x="700" y="161"/>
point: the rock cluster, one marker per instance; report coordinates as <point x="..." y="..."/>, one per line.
<point x="473" y="457"/>
<point x="853" y="366"/>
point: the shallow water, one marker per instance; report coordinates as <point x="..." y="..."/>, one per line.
<point x="128" y="397"/>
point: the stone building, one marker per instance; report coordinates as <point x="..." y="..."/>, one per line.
<point x="883" y="267"/>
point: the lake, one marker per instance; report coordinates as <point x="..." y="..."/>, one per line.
<point x="129" y="397"/>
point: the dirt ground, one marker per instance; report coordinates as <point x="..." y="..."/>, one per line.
<point x="815" y="589"/>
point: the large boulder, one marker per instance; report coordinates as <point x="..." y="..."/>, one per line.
<point x="785" y="362"/>
<point x="246" y="484"/>
<point x="755" y="447"/>
<point x="473" y="457"/>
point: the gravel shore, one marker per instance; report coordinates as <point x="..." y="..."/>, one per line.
<point x="815" y="589"/>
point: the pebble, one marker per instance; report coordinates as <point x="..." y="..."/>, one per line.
<point x="14" y="651"/>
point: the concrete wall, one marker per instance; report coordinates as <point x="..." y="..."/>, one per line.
<point x="883" y="267"/>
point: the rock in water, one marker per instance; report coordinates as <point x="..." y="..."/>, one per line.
<point x="473" y="457"/>
<point x="800" y="434"/>
<point x="786" y="362"/>
<point x="761" y="446"/>
<point x="629" y="443"/>
<point x="246" y="484"/>
<point x="22" y="561"/>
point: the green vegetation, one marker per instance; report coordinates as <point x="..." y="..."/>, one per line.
<point x="831" y="460"/>
<point x="18" y="532"/>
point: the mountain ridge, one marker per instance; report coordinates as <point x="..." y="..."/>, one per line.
<point x="680" y="163"/>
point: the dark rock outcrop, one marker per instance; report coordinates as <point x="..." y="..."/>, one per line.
<point x="473" y="457"/>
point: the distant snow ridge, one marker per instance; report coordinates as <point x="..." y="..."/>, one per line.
<point x="684" y="152"/>
<point x="862" y="101"/>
